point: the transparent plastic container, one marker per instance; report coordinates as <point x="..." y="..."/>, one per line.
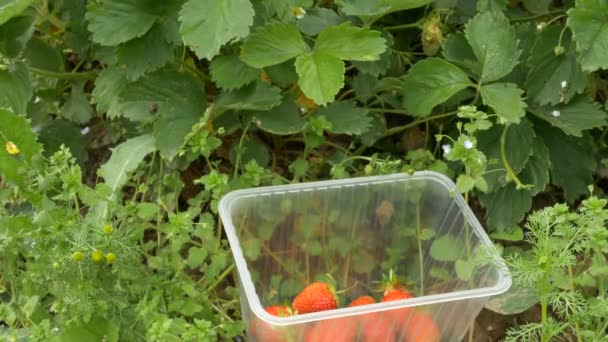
<point x="358" y="230"/>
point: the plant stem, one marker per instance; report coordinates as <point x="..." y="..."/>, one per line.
<point x="222" y="276"/>
<point x="238" y="154"/>
<point x="420" y="258"/>
<point x="576" y="325"/>
<point x="398" y="129"/>
<point x="91" y="75"/>
<point x="503" y="155"/>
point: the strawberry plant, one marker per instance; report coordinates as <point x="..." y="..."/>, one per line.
<point x="124" y="122"/>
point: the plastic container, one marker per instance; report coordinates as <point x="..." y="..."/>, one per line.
<point x="357" y="230"/>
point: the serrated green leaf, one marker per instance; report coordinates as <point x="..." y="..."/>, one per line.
<point x="572" y="160"/>
<point x="110" y="83"/>
<point x="273" y="44"/>
<point x="350" y="43"/>
<point x="229" y="72"/>
<point x="447" y="248"/>
<point x="40" y="54"/>
<point x="144" y="54"/>
<point x="283" y="74"/>
<point x="15" y="34"/>
<point x="537" y="6"/>
<point x="118" y="21"/>
<point x="125" y="158"/>
<point x="548" y="71"/>
<point x="587" y="20"/>
<point x="180" y="101"/>
<point x="15" y="88"/>
<point x="457" y="50"/>
<point x="321" y="76"/>
<point x="54" y="133"/>
<point x="17" y="130"/>
<point x="257" y="96"/>
<point x="251" y="150"/>
<point x="515" y="234"/>
<point x="465" y="183"/>
<point x="77" y="107"/>
<point x="299" y="167"/>
<point x="582" y="113"/>
<point x="518" y="148"/>
<point x="317" y="20"/>
<point x="506" y="206"/>
<point x="284" y="119"/>
<point x="96" y="329"/>
<point x="345" y="118"/>
<point x="364" y="86"/>
<point x="494" y="43"/>
<point x="12" y="8"/>
<point x="491" y="5"/>
<point x="431" y="82"/>
<point x="209" y="24"/>
<point x="536" y="171"/>
<point x="506" y="101"/>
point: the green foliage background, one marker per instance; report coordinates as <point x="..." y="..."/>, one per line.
<point x="164" y="106"/>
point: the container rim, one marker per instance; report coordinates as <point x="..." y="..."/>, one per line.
<point x="227" y="201"/>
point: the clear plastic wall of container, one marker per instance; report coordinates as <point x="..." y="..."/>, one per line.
<point x="357" y="231"/>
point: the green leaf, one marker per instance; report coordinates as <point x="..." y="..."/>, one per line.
<point x="229" y="72"/>
<point x="518" y="148"/>
<point x="273" y="44"/>
<point x="282" y="120"/>
<point x="257" y="96"/>
<point x="283" y="74"/>
<point x="537" y="6"/>
<point x="317" y="20"/>
<point x="506" y="206"/>
<point x="299" y="167"/>
<point x="42" y="55"/>
<point x="506" y="101"/>
<point x="54" y="133"/>
<point x="380" y="66"/>
<point x="209" y="24"/>
<point x="536" y="171"/>
<point x="180" y="100"/>
<point x="465" y="183"/>
<point x="588" y="23"/>
<point x="125" y="158"/>
<point x="457" y="50"/>
<point x="364" y="86"/>
<point x="494" y="43"/>
<point x="350" y="43"/>
<point x="464" y="269"/>
<point x="15" y="34"/>
<point x="118" y="21"/>
<point x="582" y="113"/>
<point x="515" y="301"/>
<point x="110" y="83"/>
<point x="321" y="76"/>
<point x="515" y="234"/>
<point x="345" y="118"/>
<point x="12" y="8"/>
<point x="77" y="107"/>
<point x="97" y="329"/>
<point x="447" y="248"/>
<point x="548" y="71"/>
<point x="15" y="88"/>
<point x="363" y="7"/>
<point x="196" y="256"/>
<point x="17" y="130"/>
<point x="572" y="161"/>
<point x="144" y="54"/>
<point x="431" y="82"/>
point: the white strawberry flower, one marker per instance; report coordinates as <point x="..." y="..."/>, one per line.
<point x="446" y="149"/>
<point x="299" y="12"/>
<point x="556" y="113"/>
<point x="468" y="144"/>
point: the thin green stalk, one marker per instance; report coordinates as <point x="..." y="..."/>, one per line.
<point x="534" y="17"/>
<point x="412" y="124"/>
<point x="544" y="307"/>
<point x="571" y="280"/>
<point x="238" y="154"/>
<point x="420" y="257"/>
<point x="416" y="24"/>
<point x="222" y="276"/>
<point x="90" y="75"/>
<point x="503" y="155"/>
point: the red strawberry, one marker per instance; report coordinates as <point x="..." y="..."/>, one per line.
<point x="263" y="331"/>
<point x="363" y="300"/>
<point x="335" y="330"/>
<point x="421" y="328"/>
<point x="315" y="297"/>
<point x="279" y="310"/>
<point x="377" y="327"/>
<point x="398" y="294"/>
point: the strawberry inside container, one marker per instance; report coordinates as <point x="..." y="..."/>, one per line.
<point x="384" y="258"/>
